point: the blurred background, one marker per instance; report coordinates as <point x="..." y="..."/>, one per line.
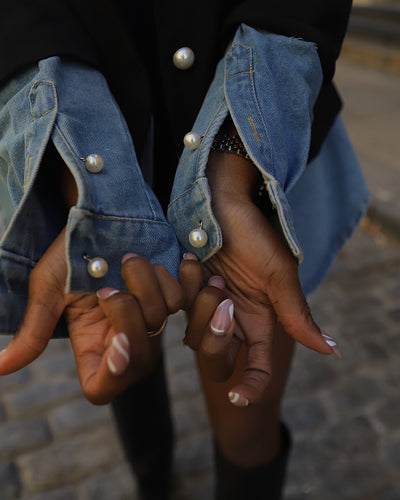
<point x="345" y="415"/>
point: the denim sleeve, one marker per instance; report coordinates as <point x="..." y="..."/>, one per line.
<point x="71" y="106"/>
<point x="268" y="83"/>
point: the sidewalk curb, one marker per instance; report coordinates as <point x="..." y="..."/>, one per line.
<point x="386" y="217"/>
<point x="381" y="56"/>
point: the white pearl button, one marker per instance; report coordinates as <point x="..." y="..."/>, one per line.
<point x="94" y="163"/>
<point x="183" y="58"/>
<point x="97" y="267"/>
<point x="192" y="140"/>
<point x="198" y="238"/>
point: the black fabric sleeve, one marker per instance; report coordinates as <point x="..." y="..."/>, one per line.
<point x="323" y="22"/>
<point x="30" y="31"/>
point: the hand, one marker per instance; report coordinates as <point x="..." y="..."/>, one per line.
<point x="261" y="280"/>
<point x="108" y="335"/>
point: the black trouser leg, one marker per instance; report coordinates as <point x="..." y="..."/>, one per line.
<point x="145" y="426"/>
<point x="261" y="483"/>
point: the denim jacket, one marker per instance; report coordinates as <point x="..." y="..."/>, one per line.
<point x="268" y="83"/>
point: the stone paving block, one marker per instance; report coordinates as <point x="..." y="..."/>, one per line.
<point x="179" y="358"/>
<point x="175" y="330"/>
<point x="353" y="438"/>
<point x="14" y="380"/>
<point x="76" y="415"/>
<point x="391" y="455"/>
<point x="41" y="394"/>
<point x="114" y="484"/>
<point x="21" y="435"/>
<point x="62" y="363"/>
<point x="357" y="393"/>
<point x="319" y="374"/>
<point x="304" y="414"/>
<point x="189" y="414"/>
<point x="357" y="480"/>
<point x="183" y="384"/>
<point x="391" y="493"/>
<point x="71" y="459"/>
<point x="63" y="493"/>
<point x="10" y="484"/>
<point x="389" y="414"/>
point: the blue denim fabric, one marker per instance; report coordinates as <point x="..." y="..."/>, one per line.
<point x="269" y="84"/>
<point x="116" y="211"/>
<point x="327" y="203"/>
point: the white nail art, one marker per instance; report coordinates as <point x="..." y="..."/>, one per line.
<point x="237" y="399"/>
<point x="331" y="343"/>
<point x="124" y="338"/>
<point x="111" y="366"/>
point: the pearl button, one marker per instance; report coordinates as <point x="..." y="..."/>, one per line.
<point x="97" y="267"/>
<point x="192" y="140"/>
<point x="94" y="163"/>
<point x="198" y="238"/>
<point x="183" y="58"/>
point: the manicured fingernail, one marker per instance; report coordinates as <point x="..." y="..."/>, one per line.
<point x="332" y="344"/>
<point x="217" y="281"/>
<point x="237" y="399"/>
<point x="128" y="256"/>
<point x="222" y="318"/>
<point x="118" y="356"/>
<point x="189" y="256"/>
<point x="107" y="292"/>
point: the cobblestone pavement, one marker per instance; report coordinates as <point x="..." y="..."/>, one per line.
<point x="344" y="414"/>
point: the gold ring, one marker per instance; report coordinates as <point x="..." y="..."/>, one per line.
<point x="154" y="333"/>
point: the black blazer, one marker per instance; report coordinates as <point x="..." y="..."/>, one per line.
<point x="136" y="56"/>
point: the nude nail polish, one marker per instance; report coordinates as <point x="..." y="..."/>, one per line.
<point x="190" y="256"/>
<point x="128" y="256"/>
<point x="222" y="318"/>
<point x="118" y="355"/>
<point x="107" y="292"/>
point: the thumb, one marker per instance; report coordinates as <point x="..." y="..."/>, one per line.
<point x="290" y="305"/>
<point x="45" y="306"/>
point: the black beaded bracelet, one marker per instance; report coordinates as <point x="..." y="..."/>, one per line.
<point x="225" y="143"/>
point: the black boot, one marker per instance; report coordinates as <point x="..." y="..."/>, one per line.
<point x="261" y="483"/>
<point x="145" y="426"/>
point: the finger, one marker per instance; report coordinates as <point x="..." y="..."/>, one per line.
<point x="219" y="347"/>
<point x="258" y="369"/>
<point x="125" y="357"/>
<point x="142" y="282"/>
<point x="295" y="315"/>
<point x="191" y="276"/>
<point x="43" y="311"/>
<point x="201" y="314"/>
<point x="171" y="290"/>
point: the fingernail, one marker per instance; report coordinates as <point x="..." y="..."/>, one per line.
<point x="105" y="293"/>
<point x="128" y="256"/>
<point x="217" y="281"/>
<point x="118" y="356"/>
<point x="222" y="318"/>
<point x="332" y="344"/>
<point x="189" y="256"/>
<point x="2" y="351"/>
<point x="237" y="399"/>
